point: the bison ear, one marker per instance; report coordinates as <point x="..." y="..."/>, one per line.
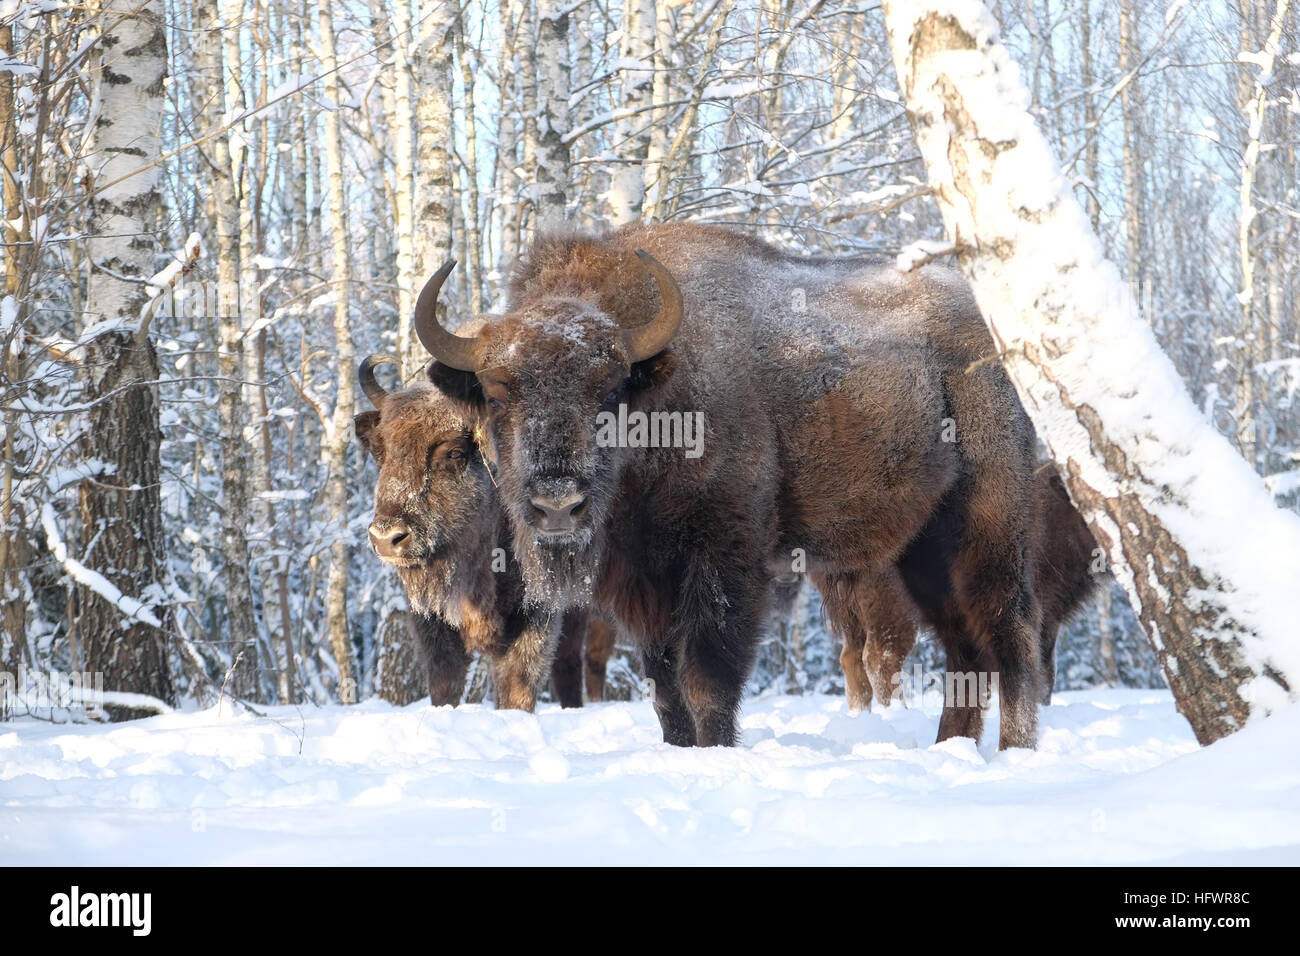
<point x="652" y="374"/>
<point x="364" y="425"/>
<point x="461" y="387"/>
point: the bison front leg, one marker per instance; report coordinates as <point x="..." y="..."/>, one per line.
<point x="716" y="623"/>
<point x="1020" y="678"/>
<point x="445" y="658"/>
<point x="999" y="606"/>
<point x="963" y="708"/>
<point x="566" y="672"/>
<point x="521" y="663"/>
<point x="661" y="670"/>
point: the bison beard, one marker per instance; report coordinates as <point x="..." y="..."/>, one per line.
<point x="827" y="387"/>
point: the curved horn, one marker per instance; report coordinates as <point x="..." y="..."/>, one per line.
<point x="448" y="348"/>
<point x="653" y="337"/>
<point x="366" y="375"/>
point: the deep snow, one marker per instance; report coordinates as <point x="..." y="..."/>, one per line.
<point x="1117" y="778"/>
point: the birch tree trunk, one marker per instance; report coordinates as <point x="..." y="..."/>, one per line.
<point x="402" y="127"/>
<point x="505" y="187"/>
<point x="584" y="177"/>
<point x="1131" y="108"/>
<point x="553" y="112"/>
<point x="240" y="619"/>
<point x="433" y="194"/>
<point x="526" y="65"/>
<point x="1253" y="332"/>
<point x="632" y="132"/>
<point x="242" y="152"/>
<point x="661" y="91"/>
<point x="1208" y="561"/>
<point x="121" y="509"/>
<point x="1092" y="145"/>
<point x="13" y="583"/>
<point x="473" y="235"/>
<point x="338" y="435"/>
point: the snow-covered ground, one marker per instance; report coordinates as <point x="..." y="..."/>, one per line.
<point x="1117" y="778"/>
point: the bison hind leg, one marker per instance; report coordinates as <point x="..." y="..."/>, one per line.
<point x="600" y="645"/>
<point x="1047" y="657"/>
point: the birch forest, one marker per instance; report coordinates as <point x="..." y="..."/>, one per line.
<point x="214" y="210"/>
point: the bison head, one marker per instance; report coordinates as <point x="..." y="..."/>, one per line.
<point x="539" y="378"/>
<point x="435" y="518"/>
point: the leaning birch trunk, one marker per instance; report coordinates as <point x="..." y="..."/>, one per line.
<point x="121" y="508"/>
<point x="1208" y="561"/>
<point x="339" y="433"/>
<point x="553" y="111"/>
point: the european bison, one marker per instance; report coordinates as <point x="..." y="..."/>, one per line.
<point x="437" y="522"/>
<point x="878" y="622"/>
<point x="854" y="445"/>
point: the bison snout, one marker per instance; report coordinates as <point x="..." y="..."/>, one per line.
<point x="558" y="506"/>
<point x="390" y="539"/>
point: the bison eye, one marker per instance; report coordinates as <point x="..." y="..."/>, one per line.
<point x="455" y="454"/>
<point x="493" y="403"/>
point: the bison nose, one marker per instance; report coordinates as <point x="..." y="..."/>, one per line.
<point x="390" y="539"/>
<point x="560" y="510"/>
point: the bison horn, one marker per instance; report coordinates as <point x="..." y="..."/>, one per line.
<point x="452" y="350"/>
<point x="374" y="391"/>
<point x="653" y="337"/>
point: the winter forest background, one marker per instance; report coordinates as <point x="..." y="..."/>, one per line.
<point x="306" y="165"/>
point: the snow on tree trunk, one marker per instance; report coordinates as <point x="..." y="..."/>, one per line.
<point x="507" y="208"/>
<point x="473" y="235"/>
<point x="433" y="194"/>
<point x="553" y="111"/>
<point x="661" y="91"/>
<point x="1253" y="331"/>
<point x="121" y="509"/>
<point x="337" y="439"/>
<point x="402" y="127"/>
<point x="631" y="132"/>
<point x="1207" y="559"/>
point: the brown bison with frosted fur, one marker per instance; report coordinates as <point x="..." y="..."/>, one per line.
<point x="878" y="621"/>
<point x="437" y="522"/>
<point x="824" y="433"/>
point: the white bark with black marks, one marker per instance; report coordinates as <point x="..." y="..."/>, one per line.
<point x="1208" y="560"/>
